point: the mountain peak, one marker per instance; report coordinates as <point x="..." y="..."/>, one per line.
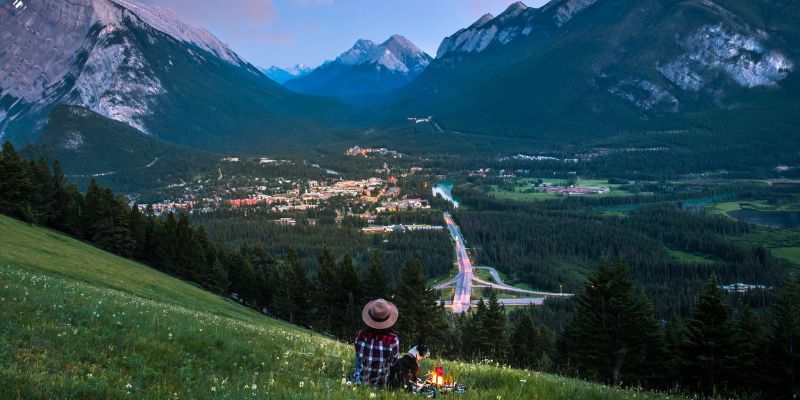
<point x="482" y="20"/>
<point x="513" y="10"/>
<point x="164" y="20"/>
<point x="396" y="53"/>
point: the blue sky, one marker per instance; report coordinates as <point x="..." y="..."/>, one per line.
<point x="287" y="32"/>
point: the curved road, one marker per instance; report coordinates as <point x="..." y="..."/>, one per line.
<point x="462" y="282"/>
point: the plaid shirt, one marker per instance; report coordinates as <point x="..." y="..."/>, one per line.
<point x="376" y="352"/>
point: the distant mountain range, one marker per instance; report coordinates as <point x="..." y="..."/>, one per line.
<point x="366" y="69"/>
<point x="594" y="68"/>
<point x="143" y="66"/>
<point x="571" y="73"/>
<point x="281" y="75"/>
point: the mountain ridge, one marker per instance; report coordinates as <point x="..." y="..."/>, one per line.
<point x="190" y="89"/>
<point x="366" y="69"/>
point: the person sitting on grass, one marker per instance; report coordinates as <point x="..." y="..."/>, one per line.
<point x="377" y="348"/>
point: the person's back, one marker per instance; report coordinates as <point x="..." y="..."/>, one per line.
<point x="377" y="349"/>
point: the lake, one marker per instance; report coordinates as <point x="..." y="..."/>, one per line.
<point x="445" y="189"/>
<point x="775" y="219"/>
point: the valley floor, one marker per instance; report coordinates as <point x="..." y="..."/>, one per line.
<point x="81" y="323"/>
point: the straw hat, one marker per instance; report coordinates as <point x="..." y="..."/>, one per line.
<point x="379" y="314"/>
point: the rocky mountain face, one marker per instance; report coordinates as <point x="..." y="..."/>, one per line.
<point x="139" y="65"/>
<point x="558" y="69"/>
<point x="281" y="75"/>
<point x="368" y="68"/>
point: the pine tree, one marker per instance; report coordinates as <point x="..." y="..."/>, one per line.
<point x="300" y="290"/>
<point x="421" y="318"/>
<point x="674" y="342"/>
<point x="784" y="342"/>
<point x="531" y="346"/>
<point x="42" y="192"/>
<point x="329" y="311"/>
<point x="494" y="323"/>
<point x="376" y="283"/>
<point x="523" y="354"/>
<point x="15" y="185"/>
<point x="613" y="336"/>
<point x="710" y="347"/>
<point x="353" y="298"/>
<point x="749" y="339"/>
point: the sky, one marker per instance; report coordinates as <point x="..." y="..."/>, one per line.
<point x="289" y="32"/>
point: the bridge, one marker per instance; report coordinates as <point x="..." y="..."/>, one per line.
<point x="465" y="280"/>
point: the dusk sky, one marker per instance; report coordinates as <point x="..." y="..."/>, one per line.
<point x="288" y="32"/>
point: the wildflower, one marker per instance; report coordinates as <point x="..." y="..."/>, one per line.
<point x="128" y="386"/>
<point x="372" y="395"/>
<point x="302" y="384"/>
<point x="254" y="387"/>
<point x="213" y="388"/>
<point x="89" y="375"/>
<point x="344" y="381"/>
<point x="499" y="397"/>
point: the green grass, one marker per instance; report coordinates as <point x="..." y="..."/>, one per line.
<point x="689" y="257"/>
<point x="80" y="323"/>
<point x="791" y="254"/>
<point x="522" y="190"/>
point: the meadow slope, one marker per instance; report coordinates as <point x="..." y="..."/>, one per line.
<point x="80" y="323"/>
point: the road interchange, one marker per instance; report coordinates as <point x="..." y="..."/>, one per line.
<point x="462" y="283"/>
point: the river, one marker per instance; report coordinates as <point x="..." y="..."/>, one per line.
<point x="775" y="219"/>
<point x="445" y="189"/>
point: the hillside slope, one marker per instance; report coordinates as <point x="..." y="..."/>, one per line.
<point x="81" y="323"/>
<point x="89" y="145"/>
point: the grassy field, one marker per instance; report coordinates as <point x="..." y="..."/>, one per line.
<point x="79" y="323"/>
<point x="523" y="191"/>
<point x="689" y="257"/>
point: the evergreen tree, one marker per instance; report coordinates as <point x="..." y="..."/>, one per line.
<point x="421" y="318"/>
<point x="749" y="339"/>
<point x="353" y="299"/>
<point x="784" y="346"/>
<point x="613" y="336"/>
<point x="674" y="342"/>
<point x="42" y="192"/>
<point x="494" y="323"/>
<point x="300" y="290"/>
<point x="376" y="283"/>
<point x="15" y="185"/>
<point x="523" y="354"/>
<point x="531" y="347"/>
<point x="66" y="203"/>
<point x="478" y="340"/>
<point x="329" y="311"/>
<point x="710" y="348"/>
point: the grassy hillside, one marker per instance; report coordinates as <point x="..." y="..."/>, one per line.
<point x="81" y="323"/>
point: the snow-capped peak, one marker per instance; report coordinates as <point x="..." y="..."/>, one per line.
<point x="164" y="20"/>
<point x="396" y="54"/>
<point x="358" y="53"/>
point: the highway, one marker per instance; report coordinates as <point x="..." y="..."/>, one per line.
<point x="462" y="282"/>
